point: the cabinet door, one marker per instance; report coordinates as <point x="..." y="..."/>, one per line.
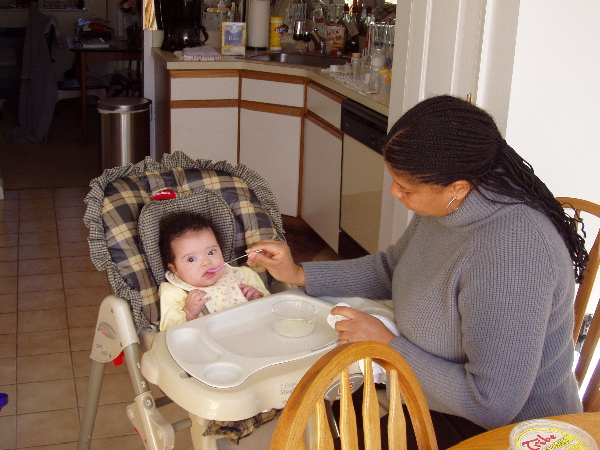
<point x="205" y="133"/>
<point x="270" y="145"/>
<point x="322" y="179"/>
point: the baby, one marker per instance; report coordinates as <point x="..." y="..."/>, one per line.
<point x="198" y="280"/>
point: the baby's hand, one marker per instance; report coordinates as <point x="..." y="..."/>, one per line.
<point x="251" y="293"/>
<point x="194" y="303"/>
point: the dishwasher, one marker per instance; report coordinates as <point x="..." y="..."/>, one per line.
<point x="363" y="169"/>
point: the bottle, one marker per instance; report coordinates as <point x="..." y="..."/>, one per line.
<point x="222" y="10"/>
<point x="377" y="63"/>
<point x="355" y="65"/>
<point x="385" y="82"/>
<point x="351" y="30"/>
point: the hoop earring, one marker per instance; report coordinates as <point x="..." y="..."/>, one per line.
<point x="448" y="206"/>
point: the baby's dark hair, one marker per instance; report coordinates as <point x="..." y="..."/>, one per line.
<point x="445" y="139"/>
<point x="174" y="225"/>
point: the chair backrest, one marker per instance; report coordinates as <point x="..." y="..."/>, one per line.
<point x="308" y="397"/>
<point x="584" y="304"/>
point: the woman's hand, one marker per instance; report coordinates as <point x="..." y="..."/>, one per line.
<point x="360" y="326"/>
<point x="277" y="259"/>
<point x="194" y="303"/>
<point x="250" y="292"/>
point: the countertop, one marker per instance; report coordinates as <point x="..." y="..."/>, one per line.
<point x="373" y="101"/>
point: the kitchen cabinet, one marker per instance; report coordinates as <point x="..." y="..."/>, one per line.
<point x="271" y="109"/>
<point x="204" y="113"/>
<point x="322" y="163"/>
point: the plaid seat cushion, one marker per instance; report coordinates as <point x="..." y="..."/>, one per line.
<point x="116" y="201"/>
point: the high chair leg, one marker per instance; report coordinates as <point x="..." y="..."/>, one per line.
<point x="91" y="405"/>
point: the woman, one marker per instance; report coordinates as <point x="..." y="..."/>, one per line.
<point x="482" y="280"/>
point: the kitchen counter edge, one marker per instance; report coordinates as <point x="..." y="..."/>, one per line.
<point x="312" y="73"/>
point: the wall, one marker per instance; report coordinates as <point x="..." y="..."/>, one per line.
<point x="553" y="114"/>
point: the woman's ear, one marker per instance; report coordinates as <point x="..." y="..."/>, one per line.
<point x="460" y="188"/>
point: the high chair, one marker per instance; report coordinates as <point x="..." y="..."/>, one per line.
<point x="123" y="209"/>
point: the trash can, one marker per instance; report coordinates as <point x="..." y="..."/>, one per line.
<point x="125" y="127"/>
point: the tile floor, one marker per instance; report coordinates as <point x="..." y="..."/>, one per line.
<point x="49" y="296"/>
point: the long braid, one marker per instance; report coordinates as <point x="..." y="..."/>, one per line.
<point x="445" y="139"/>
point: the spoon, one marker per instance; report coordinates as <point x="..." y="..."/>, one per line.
<point x="230" y="261"/>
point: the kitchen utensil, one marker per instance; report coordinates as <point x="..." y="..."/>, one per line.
<point x="294" y="318"/>
<point x="230" y="261"/>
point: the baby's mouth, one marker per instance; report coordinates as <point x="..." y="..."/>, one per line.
<point x="215" y="270"/>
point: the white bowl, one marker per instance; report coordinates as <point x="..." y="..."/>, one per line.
<point x="294" y="318"/>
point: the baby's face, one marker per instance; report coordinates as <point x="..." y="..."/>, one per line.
<point x="195" y="253"/>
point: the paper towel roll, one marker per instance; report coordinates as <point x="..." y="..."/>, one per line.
<point x="259" y="12"/>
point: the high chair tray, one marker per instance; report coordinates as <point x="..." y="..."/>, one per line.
<point x="225" y="348"/>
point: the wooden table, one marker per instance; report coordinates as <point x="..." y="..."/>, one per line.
<point x="117" y="51"/>
<point x="498" y="439"/>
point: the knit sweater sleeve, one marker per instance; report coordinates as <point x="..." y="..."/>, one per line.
<point x="508" y="289"/>
<point x="367" y="277"/>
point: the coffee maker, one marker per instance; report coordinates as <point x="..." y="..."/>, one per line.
<point x="181" y="21"/>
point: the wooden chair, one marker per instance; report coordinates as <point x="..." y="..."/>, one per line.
<point x="584" y="303"/>
<point x="308" y="397"/>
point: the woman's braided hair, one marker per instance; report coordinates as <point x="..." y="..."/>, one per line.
<point x="445" y="139"/>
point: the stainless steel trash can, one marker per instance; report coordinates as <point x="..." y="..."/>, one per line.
<point x="125" y="126"/>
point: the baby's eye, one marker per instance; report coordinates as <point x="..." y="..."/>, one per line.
<point x="212" y="252"/>
<point x="191" y="259"/>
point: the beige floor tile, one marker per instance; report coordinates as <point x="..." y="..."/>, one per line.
<point x="45" y="396"/>
<point x="8" y="303"/>
<point x="11" y="408"/>
<point x="130" y="442"/>
<point x="41" y="300"/>
<point x="78" y="235"/>
<point x="36" y="193"/>
<point x="42" y="320"/>
<point x="36" y="203"/>
<point x="86" y="296"/>
<point x="39" y="266"/>
<point x="72" y="223"/>
<point x="77" y="280"/>
<point x="8" y="347"/>
<point x="65" y="193"/>
<point x="9" y="240"/>
<point x="36" y="226"/>
<point x="82" y="338"/>
<point x="44" y="282"/>
<point x="8" y="268"/>
<point x="8" y="372"/>
<point x="82" y="316"/>
<point x="77" y="264"/>
<point x="37" y="214"/>
<point x="42" y="342"/>
<point x="53" y="366"/>
<point x="47" y="428"/>
<point x="10" y="224"/>
<point x="71" y="212"/>
<point x="38" y="238"/>
<point x="9" y="253"/>
<point x="39" y="251"/>
<point x="116" y="388"/>
<point x="112" y="420"/>
<point x="74" y="249"/>
<point x="8" y="324"/>
<point x="9" y="204"/>
<point x="8" y="285"/>
<point x="8" y="432"/>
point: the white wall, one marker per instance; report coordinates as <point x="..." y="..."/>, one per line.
<point x="553" y="111"/>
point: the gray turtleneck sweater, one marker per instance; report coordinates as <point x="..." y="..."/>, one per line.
<point x="483" y="299"/>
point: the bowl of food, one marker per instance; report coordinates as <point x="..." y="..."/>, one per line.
<point x="294" y="318"/>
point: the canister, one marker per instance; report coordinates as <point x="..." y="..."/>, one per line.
<point x="276" y="30"/>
